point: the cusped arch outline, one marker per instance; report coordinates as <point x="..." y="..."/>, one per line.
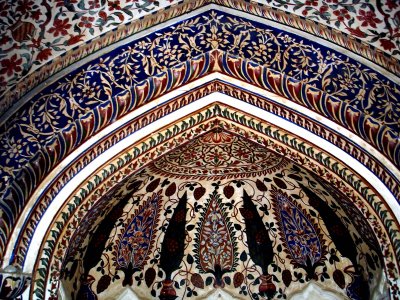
<point x="61" y="178"/>
<point x="75" y="131"/>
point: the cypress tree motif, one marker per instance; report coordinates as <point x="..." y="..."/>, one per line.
<point x="135" y="243"/>
<point x="304" y="242"/>
<point x="259" y="243"/>
<point x="343" y="241"/>
<point x="215" y="242"/>
<point x="337" y="230"/>
<point x="172" y="248"/>
<point x="99" y="239"/>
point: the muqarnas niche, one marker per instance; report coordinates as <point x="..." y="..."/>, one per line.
<point x="222" y="217"/>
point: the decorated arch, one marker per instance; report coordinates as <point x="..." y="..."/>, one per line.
<point x="211" y="149"/>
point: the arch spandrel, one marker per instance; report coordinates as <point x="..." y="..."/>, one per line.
<point x="367" y="33"/>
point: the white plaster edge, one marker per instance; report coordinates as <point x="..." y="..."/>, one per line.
<point x="152" y="128"/>
<point x="314" y="291"/>
<point x="122" y="145"/>
<point x="65" y="163"/>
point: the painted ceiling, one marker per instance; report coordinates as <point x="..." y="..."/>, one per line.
<point x="230" y="216"/>
<point x="277" y="112"/>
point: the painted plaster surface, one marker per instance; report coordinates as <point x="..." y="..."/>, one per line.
<point x="252" y="225"/>
<point x="62" y="104"/>
<point x="34" y="33"/>
<point x="221" y="179"/>
<point x="72" y="216"/>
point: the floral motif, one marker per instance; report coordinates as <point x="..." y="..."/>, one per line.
<point x="76" y="21"/>
<point x="57" y="26"/>
<point x="219" y="154"/>
<point x="305" y="244"/>
<point x="215" y="241"/>
<point x="9" y="66"/>
<point x="368" y="18"/>
<point x="51" y="112"/>
<point x="135" y="242"/>
<point x="185" y="277"/>
<point x="60" y="27"/>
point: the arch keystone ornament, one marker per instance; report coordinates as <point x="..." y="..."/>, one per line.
<point x="201" y="149"/>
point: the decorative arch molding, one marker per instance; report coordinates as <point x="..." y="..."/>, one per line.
<point x="71" y="149"/>
<point x="69" y="168"/>
<point x="281" y="140"/>
<point x="81" y="129"/>
<point x="146" y="21"/>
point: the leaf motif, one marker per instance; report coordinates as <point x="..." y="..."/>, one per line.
<point x="338" y="277"/>
<point x="153" y="185"/>
<point x="229" y="191"/>
<point x="243" y="256"/>
<point x="189" y="259"/>
<point x="238" y="279"/>
<point x="280" y="183"/>
<point x="170" y="190"/>
<point x="286" y="277"/>
<point x="149" y="276"/>
<point x="261" y="186"/>
<point x="199" y="192"/>
<point x="197" y="281"/>
<point x="103" y="283"/>
<point x="106" y="85"/>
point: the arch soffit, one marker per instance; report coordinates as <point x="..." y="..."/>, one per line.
<point x="75" y="133"/>
<point x="377" y="134"/>
<point x="124" y="164"/>
<point x="60" y="177"/>
<point x="111" y="115"/>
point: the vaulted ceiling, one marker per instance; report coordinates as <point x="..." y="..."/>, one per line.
<point x="285" y="111"/>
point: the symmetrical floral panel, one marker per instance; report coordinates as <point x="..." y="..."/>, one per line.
<point x="371" y="211"/>
<point x="252" y="224"/>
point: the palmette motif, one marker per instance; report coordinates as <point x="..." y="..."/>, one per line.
<point x="217" y="155"/>
<point x="136" y="242"/>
